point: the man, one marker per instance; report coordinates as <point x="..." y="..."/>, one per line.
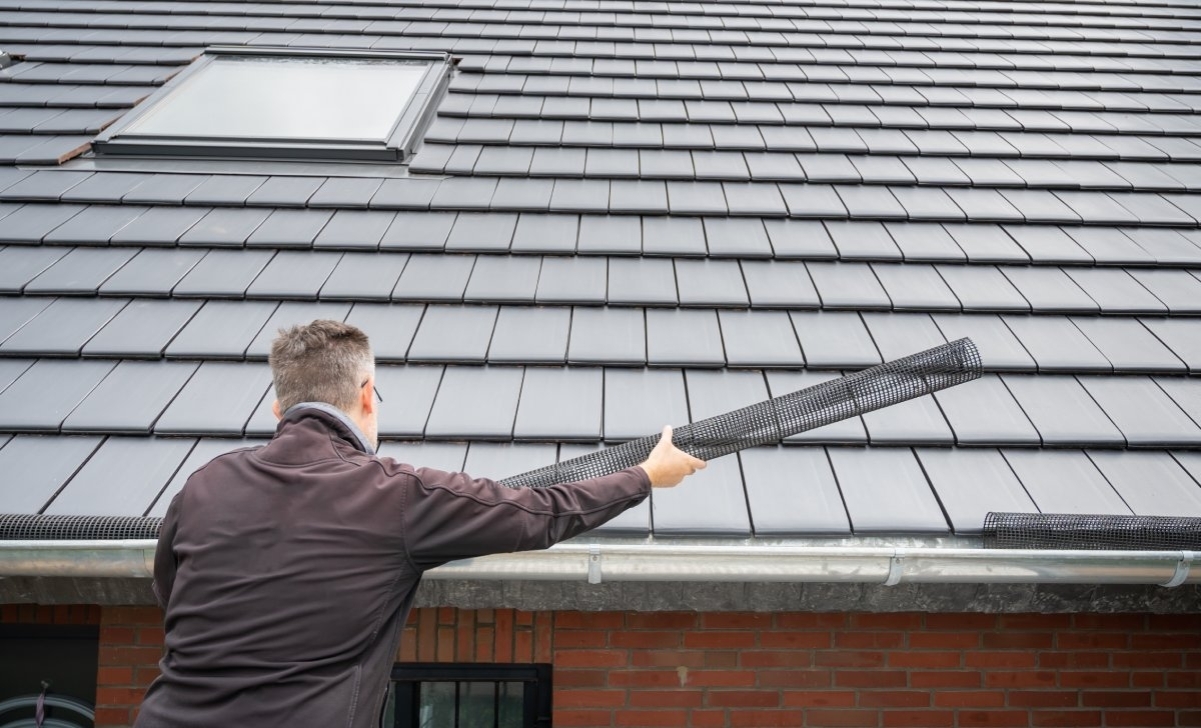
<point x="287" y="571"/>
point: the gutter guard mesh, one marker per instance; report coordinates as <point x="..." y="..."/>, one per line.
<point x="771" y="421"/>
<point x="1091" y="532"/>
<point x="27" y="527"/>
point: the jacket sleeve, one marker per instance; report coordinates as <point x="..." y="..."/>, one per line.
<point x="164" y="554"/>
<point x="451" y="516"/>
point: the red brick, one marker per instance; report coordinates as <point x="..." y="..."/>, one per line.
<point x="1066" y="718"/>
<point x="766" y="718"/>
<point x="651" y="718"/>
<point x="1017" y="640"/>
<point x="1035" y="621"/>
<point x="1165" y="641"/>
<point x="115" y="697"/>
<point x="1093" y="679"/>
<point x="588" y="718"/>
<point x="581" y="678"/>
<point x="646" y="640"/>
<point x="819" y="698"/>
<point x="1073" y="660"/>
<point x="900" y="621"/>
<point x="1159" y="660"/>
<point x="722" y="659"/>
<point x="661" y="620"/>
<point x="721" y="678"/>
<point x="117" y="635"/>
<point x="719" y="640"/>
<point x="588" y="620"/>
<point x="1019" y="679"/>
<point x="1166" y="699"/>
<point x="503" y="650"/>
<point x="644" y="679"/>
<point x="665" y="698"/>
<point x="870" y="678"/>
<point x="841" y="718"/>
<point x="743" y="699"/>
<point x="1116" y="699"/>
<point x="918" y="718"/>
<point x="1092" y="640"/>
<point x="969" y="698"/>
<point x="848" y="658"/>
<point x="774" y="658"/>
<point x="118" y="676"/>
<point x="1124" y="622"/>
<point x="581" y="638"/>
<point x="1189" y="623"/>
<point x="810" y="621"/>
<point x="590" y="658"/>
<point x="736" y="620"/>
<point x="869" y="640"/>
<point x="113" y="716"/>
<point x="961" y="621"/>
<point x="794" y="679"/>
<point x="1184" y="679"/>
<point x="790" y="640"/>
<point x="1146" y="679"/>
<point x="1189" y="718"/>
<point x="151" y="636"/>
<point x="1007" y="659"/>
<point x="1140" y="718"/>
<point x="944" y="640"/>
<point x="992" y="718"/>
<point x="930" y="660"/>
<point x="131" y="656"/>
<point x="585" y="698"/>
<point x="1043" y="698"/>
<point x="667" y="658"/>
<point x="716" y="718"/>
<point x="944" y="679"/>
<point x="894" y="699"/>
<point x="445" y="651"/>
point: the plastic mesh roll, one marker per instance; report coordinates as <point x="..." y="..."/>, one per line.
<point x="27" y="527"/>
<point x="1091" y="532"/>
<point x="771" y="421"/>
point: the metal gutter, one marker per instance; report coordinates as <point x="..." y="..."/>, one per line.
<point x="603" y="562"/>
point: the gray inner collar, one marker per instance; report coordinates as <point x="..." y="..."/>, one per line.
<point x="329" y="409"/>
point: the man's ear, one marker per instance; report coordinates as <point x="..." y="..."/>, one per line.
<point x="275" y="410"/>
<point x="367" y="396"/>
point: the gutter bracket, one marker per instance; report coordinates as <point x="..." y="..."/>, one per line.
<point x="1183" y="566"/>
<point x="895" y="567"/>
<point x="594" y="564"/>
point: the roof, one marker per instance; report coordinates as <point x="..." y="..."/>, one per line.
<point x="633" y="213"/>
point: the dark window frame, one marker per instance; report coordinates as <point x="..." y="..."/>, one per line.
<point x="407" y="678"/>
<point x="405" y="136"/>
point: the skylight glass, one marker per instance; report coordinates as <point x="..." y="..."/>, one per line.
<point x="281" y="103"/>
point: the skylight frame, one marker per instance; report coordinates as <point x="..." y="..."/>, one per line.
<point x="120" y="140"/>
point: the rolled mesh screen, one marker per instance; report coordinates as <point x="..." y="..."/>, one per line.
<point x="1091" y="532"/>
<point x="773" y="420"/>
<point x="25" y="527"/>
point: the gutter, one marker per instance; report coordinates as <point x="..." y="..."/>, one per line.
<point x="602" y="562"/>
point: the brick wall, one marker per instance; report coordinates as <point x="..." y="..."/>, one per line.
<point x="789" y="669"/>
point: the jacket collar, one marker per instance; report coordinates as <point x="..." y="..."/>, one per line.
<point x="356" y="436"/>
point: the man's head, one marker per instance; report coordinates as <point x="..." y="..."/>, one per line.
<point x="325" y="361"/>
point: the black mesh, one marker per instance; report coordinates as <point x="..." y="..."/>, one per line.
<point x="773" y="420"/>
<point x="1087" y="532"/>
<point x="77" y="528"/>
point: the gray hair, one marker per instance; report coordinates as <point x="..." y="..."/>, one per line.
<point x="323" y="361"/>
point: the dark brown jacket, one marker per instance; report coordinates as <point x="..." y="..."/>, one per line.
<point x="287" y="571"/>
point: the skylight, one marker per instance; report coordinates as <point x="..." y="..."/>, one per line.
<point x="287" y="103"/>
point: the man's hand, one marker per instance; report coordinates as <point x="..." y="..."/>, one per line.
<point x="667" y="465"/>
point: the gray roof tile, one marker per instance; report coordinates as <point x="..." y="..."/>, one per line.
<point x="291" y="314"/>
<point x="130" y="398"/>
<point x="760" y="339"/>
<point x="560" y="404"/>
<point x="455" y="411"/>
<point x="63" y="327"/>
<point x="81" y="271"/>
<point x="848" y="285"/>
<point x="223" y="274"/>
<point x="886" y="491"/>
<point x="217" y="400"/>
<point x="434" y="278"/>
<point x="1063" y="411"/>
<point x="453" y="334"/>
<point x="1128" y="345"/>
<point x="1151" y="483"/>
<point x="221" y="329"/>
<point x="41" y="465"/>
<point x="31" y="223"/>
<point x="971" y="483"/>
<point x="1065" y="482"/>
<point x="530" y="335"/>
<point x="716" y="504"/>
<point x="615" y="336"/>
<point x="290" y="229"/>
<point x="142" y="329"/>
<point x="225" y="189"/>
<point x="639" y="402"/>
<point x="1049" y="289"/>
<point x="47" y="393"/>
<point x="806" y="502"/>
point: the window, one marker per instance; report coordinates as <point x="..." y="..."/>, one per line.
<point x="287" y="103"/>
<point x="438" y="695"/>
